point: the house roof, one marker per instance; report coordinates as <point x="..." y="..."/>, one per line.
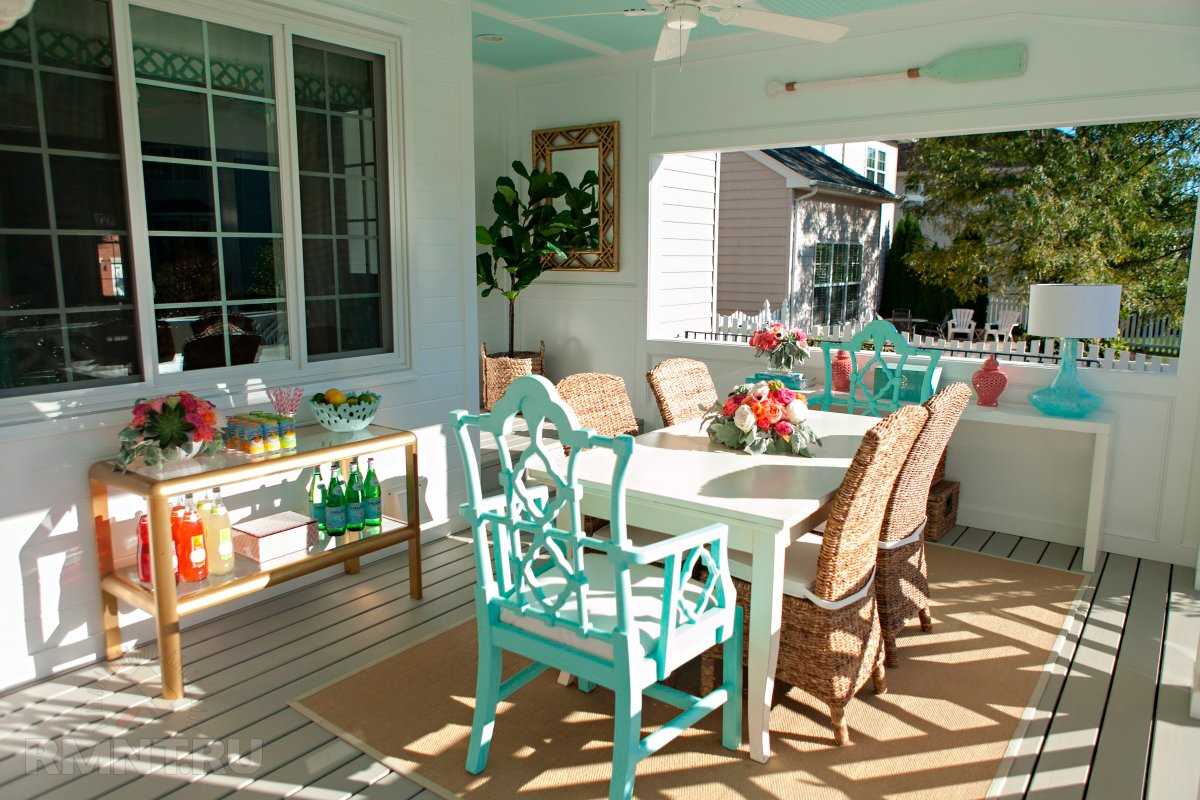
<point x="828" y="173"/>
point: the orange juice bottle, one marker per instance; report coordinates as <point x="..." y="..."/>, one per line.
<point x="193" y="558"/>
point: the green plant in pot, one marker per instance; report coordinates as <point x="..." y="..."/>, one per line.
<point x="528" y="235"/>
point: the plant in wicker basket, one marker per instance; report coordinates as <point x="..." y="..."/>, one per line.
<point x="763" y="417"/>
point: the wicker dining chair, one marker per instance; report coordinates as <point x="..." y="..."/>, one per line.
<point x="682" y="388"/>
<point x="830" y="640"/>
<point x="600" y="402"/>
<point x="901" y="579"/>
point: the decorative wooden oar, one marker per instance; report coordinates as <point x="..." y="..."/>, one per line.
<point x="962" y="66"/>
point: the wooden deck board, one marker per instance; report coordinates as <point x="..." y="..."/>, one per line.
<point x="1174" y="759"/>
<point x="1029" y="550"/>
<point x="973" y="539"/>
<point x="1064" y="765"/>
<point x="1122" y="751"/>
<point x="1112" y="714"/>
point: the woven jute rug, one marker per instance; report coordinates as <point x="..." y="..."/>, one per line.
<point x="955" y="702"/>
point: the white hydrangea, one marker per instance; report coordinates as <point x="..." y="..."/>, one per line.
<point x="797" y="412"/>
<point x="743" y="418"/>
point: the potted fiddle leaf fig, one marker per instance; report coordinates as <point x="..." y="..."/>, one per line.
<point x="527" y="236"/>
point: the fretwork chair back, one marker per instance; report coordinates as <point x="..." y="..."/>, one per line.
<point x="830" y="640"/>
<point x="610" y="612"/>
<point x="683" y="389"/>
<point x="878" y="383"/>
<point x="902" y="580"/>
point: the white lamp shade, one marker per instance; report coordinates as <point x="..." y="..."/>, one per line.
<point x="1072" y="310"/>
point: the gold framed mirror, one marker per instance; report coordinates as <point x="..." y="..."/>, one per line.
<point x="575" y="150"/>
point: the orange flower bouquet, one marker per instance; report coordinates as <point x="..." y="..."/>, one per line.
<point x="763" y="417"/>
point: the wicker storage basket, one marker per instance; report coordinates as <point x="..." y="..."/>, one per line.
<point x="498" y="371"/>
<point x="942" y="510"/>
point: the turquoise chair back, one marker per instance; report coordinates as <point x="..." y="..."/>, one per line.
<point x="533" y="560"/>
<point x="885" y="391"/>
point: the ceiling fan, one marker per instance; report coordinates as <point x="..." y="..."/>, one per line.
<point x="681" y="16"/>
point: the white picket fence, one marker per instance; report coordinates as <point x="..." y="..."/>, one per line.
<point x="1033" y="350"/>
<point x="1147" y="334"/>
<point x="739" y="323"/>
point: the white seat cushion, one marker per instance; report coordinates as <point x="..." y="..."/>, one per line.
<point x="647" y="595"/>
<point x="799" y="566"/>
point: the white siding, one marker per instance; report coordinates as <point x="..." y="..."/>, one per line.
<point x="754" y="235"/>
<point x="683" y="225"/>
<point x="49" y="586"/>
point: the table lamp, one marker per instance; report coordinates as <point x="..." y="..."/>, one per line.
<point x="1071" y="312"/>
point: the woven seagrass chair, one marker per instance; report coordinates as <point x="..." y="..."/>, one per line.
<point x="600" y="402"/>
<point x="682" y="388"/>
<point x="615" y="614"/>
<point x="901" y="580"/>
<point x="830" y="641"/>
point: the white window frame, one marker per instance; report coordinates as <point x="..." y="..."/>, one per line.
<point x="354" y="30"/>
<point x="875" y="173"/>
<point x="831" y="285"/>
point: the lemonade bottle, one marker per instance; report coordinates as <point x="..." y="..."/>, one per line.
<point x="218" y="537"/>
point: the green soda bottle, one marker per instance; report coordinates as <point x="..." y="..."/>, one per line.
<point x="316" y="498"/>
<point x="372" y="497"/>
<point x="354" y="498"/>
<point x="335" y="504"/>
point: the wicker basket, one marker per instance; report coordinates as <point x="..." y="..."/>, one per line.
<point x="942" y="510"/>
<point x="496" y="372"/>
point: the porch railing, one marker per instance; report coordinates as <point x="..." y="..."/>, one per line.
<point x="738" y="326"/>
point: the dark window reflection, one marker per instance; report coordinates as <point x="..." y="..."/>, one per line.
<point x="27" y="272"/>
<point x="22" y="191"/>
<point x="174" y="123"/>
<point x="253" y="268"/>
<point x="31" y="351"/>
<point x="360" y="324"/>
<point x="179" y="197"/>
<point x="245" y="131"/>
<point x="314" y="205"/>
<point x="88" y="193"/>
<point x="185" y="269"/>
<point x="103" y="344"/>
<point x="96" y="270"/>
<point x="249" y="200"/>
<point x="358" y="269"/>
<point x="81" y="113"/>
<point x="313" y="141"/>
<point x="19" y="124"/>
<point x="318" y="266"/>
<point x="321" y="322"/>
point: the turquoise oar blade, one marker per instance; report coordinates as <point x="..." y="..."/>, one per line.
<point x="979" y="64"/>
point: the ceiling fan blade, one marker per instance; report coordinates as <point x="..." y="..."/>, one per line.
<point x="784" y="24"/>
<point x="671" y="44"/>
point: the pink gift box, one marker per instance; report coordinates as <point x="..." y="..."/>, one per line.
<point x="268" y="538"/>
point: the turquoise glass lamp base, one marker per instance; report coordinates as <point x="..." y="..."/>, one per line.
<point x="1067" y="396"/>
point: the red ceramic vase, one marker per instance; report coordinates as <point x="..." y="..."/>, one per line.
<point x="840" y="371"/>
<point x="989" y="383"/>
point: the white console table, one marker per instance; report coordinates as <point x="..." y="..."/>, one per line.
<point x="1099" y="426"/>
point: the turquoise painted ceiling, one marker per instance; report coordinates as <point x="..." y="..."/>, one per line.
<point x="523" y="48"/>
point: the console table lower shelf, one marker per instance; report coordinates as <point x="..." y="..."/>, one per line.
<point x="168" y="602"/>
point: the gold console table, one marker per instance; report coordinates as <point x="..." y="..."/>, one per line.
<point x="168" y="602"/>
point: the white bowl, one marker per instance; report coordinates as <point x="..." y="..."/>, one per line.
<point x="345" y="417"/>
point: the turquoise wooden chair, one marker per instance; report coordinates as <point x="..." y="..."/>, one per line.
<point x="600" y="609"/>
<point x="893" y="384"/>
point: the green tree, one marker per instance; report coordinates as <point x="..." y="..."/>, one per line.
<point x="902" y="287"/>
<point x="1096" y="204"/>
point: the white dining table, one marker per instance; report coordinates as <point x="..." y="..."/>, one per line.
<point x="678" y="481"/>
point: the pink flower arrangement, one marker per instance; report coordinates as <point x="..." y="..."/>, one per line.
<point x="784" y="347"/>
<point x="176" y="425"/>
<point x="762" y="417"/>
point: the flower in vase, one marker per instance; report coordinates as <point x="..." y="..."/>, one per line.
<point x="743" y="418"/>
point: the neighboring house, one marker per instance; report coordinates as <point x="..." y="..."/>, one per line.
<point x="803" y="230"/>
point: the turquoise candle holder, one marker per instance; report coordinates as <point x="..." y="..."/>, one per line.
<point x="1067" y="396"/>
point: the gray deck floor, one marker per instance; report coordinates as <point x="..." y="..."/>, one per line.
<point x="1115" y="721"/>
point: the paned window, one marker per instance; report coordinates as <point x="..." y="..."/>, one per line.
<point x="837" y="277"/>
